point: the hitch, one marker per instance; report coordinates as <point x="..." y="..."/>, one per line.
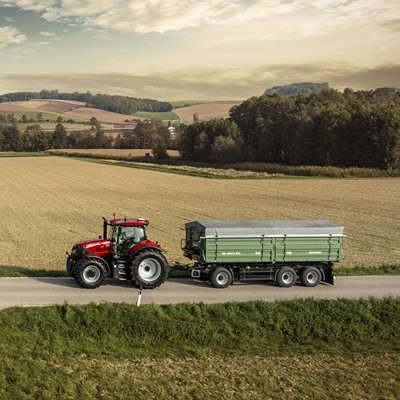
<point x="181" y="267"/>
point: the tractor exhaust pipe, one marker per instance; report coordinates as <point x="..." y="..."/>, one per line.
<point x="105" y="223"/>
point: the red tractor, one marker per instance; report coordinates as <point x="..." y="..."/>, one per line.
<point x="124" y="253"/>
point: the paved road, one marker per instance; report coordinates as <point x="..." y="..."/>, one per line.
<point x="45" y="291"/>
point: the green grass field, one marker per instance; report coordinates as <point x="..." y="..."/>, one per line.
<point x="340" y="349"/>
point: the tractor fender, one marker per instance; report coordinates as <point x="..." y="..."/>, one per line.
<point x="135" y="251"/>
<point x="100" y="260"/>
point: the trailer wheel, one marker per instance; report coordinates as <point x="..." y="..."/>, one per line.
<point x="286" y="277"/>
<point x="310" y="276"/>
<point x="221" y="278"/>
<point x="149" y="269"/>
<point x="90" y="274"/>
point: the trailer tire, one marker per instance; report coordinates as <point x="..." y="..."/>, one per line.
<point x="149" y="269"/>
<point x="90" y="274"/>
<point x="221" y="278"/>
<point x="310" y="276"/>
<point x="286" y="277"/>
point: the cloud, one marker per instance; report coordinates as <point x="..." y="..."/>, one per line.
<point x="221" y="84"/>
<point x="10" y="35"/>
<point x="47" y="34"/>
<point x="173" y="15"/>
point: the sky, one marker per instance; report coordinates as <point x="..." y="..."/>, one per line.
<point x="197" y="50"/>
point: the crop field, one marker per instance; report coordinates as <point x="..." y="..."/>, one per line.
<point x="49" y="203"/>
<point x="205" y="111"/>
<point x="51" y="106"/>
<point x="165" y="116"/>
<point x="67" y="109"/>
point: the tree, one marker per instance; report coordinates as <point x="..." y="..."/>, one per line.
<point x="160" y="149"/>
<point x="59" y="137"/>
<point x="101" y="140"/>
<point x="12" y="140"/>
<point x="225" y="150"/>
<point x="11" y="118"/>
<point x="36" y="139"/>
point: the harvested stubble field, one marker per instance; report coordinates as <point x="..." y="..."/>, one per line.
<point x="49" y="203"/>
<point x="206" y="111"/>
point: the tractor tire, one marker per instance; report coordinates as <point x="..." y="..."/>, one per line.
<point x="286" y="277"/>
<point x="221" y="278"/>
<point x="70" y="266"/>
<point x="90" y="274"/>
<point x="149" y="269"/>
<point x="310" y="276"/>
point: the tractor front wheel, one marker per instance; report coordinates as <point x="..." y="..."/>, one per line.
<point x="90" y="274"/>
<point x="149" y="269"/>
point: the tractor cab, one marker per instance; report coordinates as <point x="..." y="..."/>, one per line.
<point x="126" y="233"/>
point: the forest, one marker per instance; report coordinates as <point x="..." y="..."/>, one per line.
<point x="329" y="128"/>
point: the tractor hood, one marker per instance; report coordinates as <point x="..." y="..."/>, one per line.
<point x="98" y="247"/>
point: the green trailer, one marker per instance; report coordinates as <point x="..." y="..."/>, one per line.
<point x="281" y="251"/>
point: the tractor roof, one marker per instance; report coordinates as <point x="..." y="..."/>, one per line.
<point x="129" y="222"/>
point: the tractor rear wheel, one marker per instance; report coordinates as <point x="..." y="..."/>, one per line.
<point x="149" y="269"/>
<point x="90" y="274"/>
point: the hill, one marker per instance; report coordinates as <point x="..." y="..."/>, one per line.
<point x="65" y="108"/>
<point x="298" y="88"/>
<point x="119" y="104"/>
<point x="69" y="110"/>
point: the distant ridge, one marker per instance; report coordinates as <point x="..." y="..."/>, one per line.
<point x="298" y="88"/>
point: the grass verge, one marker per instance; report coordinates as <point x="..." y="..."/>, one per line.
<point x="232" y="171"/>
<point x="344" y="349"/>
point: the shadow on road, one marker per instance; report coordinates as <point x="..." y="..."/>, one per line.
<point x="71" y="283"/>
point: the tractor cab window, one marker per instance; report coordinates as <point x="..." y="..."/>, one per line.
<point x="134" y="234"/>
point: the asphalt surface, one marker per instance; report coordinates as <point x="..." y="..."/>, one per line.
<point x="47" y="291"/>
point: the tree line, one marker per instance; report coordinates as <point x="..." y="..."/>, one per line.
<point x="146" y="135"/>
<point x="349" y="129"/>
<point x="329" y="128"/>
<point x="119" y="104"/>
